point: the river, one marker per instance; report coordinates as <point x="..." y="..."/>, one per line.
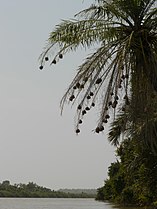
<point x="54" y="203"/>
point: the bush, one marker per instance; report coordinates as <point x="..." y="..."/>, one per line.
<point x="127" y="195"/>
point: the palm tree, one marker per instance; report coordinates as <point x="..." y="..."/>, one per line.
<point x="121" y="75"/>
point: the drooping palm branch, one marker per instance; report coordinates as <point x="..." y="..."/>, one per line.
<point x="123" y="69"/>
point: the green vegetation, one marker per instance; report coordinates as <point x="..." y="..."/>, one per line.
<point x="91" y="192"/>
<point x="132" y="180"/>
<point x="32" y="190"/>
<point x="120" y="77"/>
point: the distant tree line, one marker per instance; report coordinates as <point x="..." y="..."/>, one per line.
<point x="79" y="191"/>
<point x="32" y="190"/>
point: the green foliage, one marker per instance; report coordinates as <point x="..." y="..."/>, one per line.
<point x="132" y="180"/>
<point x="32" y="190"/>
<point x="107" y="190"/>
<point x="127" y="196"/>
<point x="100" y="194"/>
<point x="155" y="204"/>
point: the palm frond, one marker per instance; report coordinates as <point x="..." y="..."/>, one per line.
<point x="119" y="129"/>
<point x="70" y="35"/>
<point x="123" y="66"/>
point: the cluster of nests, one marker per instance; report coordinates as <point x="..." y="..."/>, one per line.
<point x="113" y="103"/>
<point x="53" y="61"/>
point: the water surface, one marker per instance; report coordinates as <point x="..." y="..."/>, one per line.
<point x="54" y="203"/>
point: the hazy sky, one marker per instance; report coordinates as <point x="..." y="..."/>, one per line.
<point x="37" y="143"/>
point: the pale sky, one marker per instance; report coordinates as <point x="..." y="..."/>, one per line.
<point x="37" y="143"/>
